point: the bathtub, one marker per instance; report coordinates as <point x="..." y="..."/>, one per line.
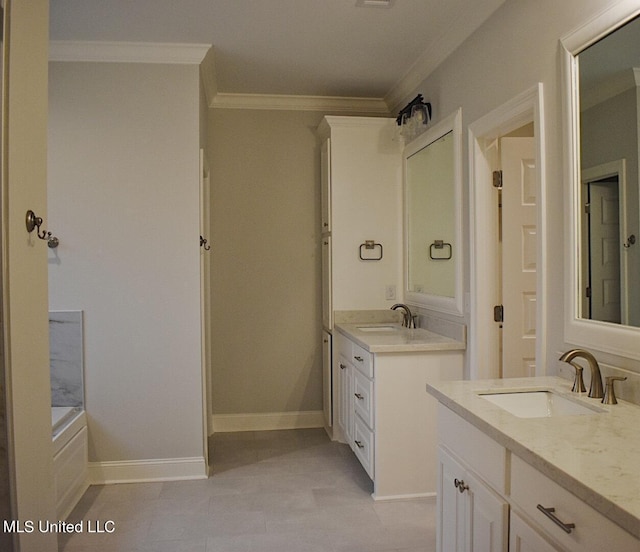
<point x="70" y="457"/>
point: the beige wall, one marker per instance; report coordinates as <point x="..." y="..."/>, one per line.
<point x="266" y="261"/>
<point x="124" y="202"/>
<point x="25" y="270"/>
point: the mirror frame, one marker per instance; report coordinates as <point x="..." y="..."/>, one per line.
<point x="601" y="336"/>
<point x="448" y="305"/>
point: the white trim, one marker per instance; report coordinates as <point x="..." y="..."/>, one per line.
<point x="127" y="52"/>
<point x="222" y="423"/>
<point x="299" y="103"/>
<point x="615" y="339"/>
<point x="519" y="111"/>
<point x="140" y="471"/>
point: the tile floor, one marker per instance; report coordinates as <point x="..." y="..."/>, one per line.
<point x="284" y="491"/>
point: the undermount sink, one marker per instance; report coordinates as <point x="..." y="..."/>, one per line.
<point x="538" y="404"/>
<point x="385" y="328"/>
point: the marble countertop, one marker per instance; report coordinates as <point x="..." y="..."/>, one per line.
<point x="596" y="457"/>
<point x="398" y="339"/>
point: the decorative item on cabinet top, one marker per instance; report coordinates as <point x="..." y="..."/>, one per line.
<point x="413" y="118"/>
<point x="373" y="247"/>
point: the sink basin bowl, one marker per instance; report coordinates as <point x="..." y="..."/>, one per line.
<point x="385" y="328"/>
<point x="538" y="404"/>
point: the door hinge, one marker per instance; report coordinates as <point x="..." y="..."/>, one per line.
<point x="587" y="208"/>
<point x="498" y="313"/>
<point x="587" y="291"/>
<point x="497" y="179"/>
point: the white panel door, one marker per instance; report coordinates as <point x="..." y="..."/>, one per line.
<point x="604" y="251"/>
<point x="519" y="253"/>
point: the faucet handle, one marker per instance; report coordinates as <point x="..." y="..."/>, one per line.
<point x="578" y="382"/>
<point x="609" y="393"/>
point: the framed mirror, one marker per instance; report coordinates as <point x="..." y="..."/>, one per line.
<point x="433" y="217"/>
<point x="602" y="98"/>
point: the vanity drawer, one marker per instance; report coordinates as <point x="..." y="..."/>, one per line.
<point x="363" y="445"/>
<point x="343" y="346"/>
<point x="362" y="360"/>
<point x="363" y="398"/>
<point x="592" y="531"/>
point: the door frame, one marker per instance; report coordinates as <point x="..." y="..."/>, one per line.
<point x="205" y="304"/>
<point x="484" y="352"/>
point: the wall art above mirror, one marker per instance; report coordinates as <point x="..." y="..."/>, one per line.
<point x="602" y="67"/>
<point x="432" y="217"/>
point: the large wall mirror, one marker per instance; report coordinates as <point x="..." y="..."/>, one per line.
<point x="432" y="216"/>
<point x="603" y="122"/>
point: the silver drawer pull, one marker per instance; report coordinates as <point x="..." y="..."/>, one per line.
<point x="358" y="358"/>
<point x="460" y="485"/>
<point x="358" y="396"/>
<point x="342" y="366"/>
<point x="359" y="444"/>
<point x="549" y="512"/>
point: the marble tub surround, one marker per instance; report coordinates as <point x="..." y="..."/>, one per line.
<point x="596" y="457"/>
<point x="399" y="339"/>
<point x="66" y="360"/>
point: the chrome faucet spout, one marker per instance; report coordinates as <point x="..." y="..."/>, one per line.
<point x="407" y="318"/>
<point x="595" y="389"/>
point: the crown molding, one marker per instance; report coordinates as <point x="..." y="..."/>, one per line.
<point x="127" y="52"/>
<point x="299" y="103"/>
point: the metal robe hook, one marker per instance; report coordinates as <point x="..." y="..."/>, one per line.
<point x="34" y="222"/>
<point x="203" y="243"/>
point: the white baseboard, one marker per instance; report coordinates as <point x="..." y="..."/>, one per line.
<point x="222" y="423"/>
<point x="416" y="496"/>
<point x="141" y="471"/>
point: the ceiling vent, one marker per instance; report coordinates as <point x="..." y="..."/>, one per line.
<point x="375" y="3"/>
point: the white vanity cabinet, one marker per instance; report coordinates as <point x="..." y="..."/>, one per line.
<point x="361" y="181"/>
<point x="490" y="499"/>
<point x="386" y="416"/>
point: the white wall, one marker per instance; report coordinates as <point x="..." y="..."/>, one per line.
<point x="514" y="50"/>
<point x="124" y="202"/>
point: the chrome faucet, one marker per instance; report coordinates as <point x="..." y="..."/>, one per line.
<point x="595" y="389"/>
<point x="407" y="319"/>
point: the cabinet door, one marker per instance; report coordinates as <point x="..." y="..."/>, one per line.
<point x="452" y="506"/>
<point x="345" y="416"/>
<point x="522" y="538"/>
<point x="471" y="516"/>
<point x="327" y="297"/>
<point x="327" y="380"/>
<point x="325" y="179"/>
<point x="489" y="517"/>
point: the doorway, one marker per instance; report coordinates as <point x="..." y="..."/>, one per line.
<point x="603" y="226"/>
<point x="507" y="328"/>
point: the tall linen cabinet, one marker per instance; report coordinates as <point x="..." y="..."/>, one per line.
<point x="361" y="233"/>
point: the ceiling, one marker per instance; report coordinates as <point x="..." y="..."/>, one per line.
<point x="292" y="47"/>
